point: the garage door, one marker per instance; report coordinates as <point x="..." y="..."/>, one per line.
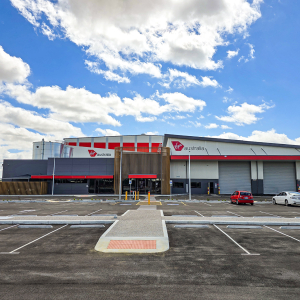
<point x="234" y="176"/>
<point x="279" y="176"/>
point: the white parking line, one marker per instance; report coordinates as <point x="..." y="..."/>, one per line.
<point x="270" y="214"/>
<point x="37" y="239"/>
<point x="206" y="204"/>
<point x="57" y="213"/>
<point x="198" y="213"/>
<point x="283" y="233"/>
<point x="9" y="227"/>
<point x="248" y="253"/>
<point x="234" y="214"/>
<point x="93" y="212"/>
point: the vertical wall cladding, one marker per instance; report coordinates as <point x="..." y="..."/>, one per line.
<point x="143" y="163"/>
<point x="23" y="188"/>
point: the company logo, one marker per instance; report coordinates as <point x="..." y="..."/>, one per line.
<point x="177" y="145"/>
<point x="92" y="153"/>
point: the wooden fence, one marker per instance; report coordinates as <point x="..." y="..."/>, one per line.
<point x="23" y="188"/>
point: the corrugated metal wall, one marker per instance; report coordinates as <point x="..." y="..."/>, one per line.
<point x="234" y="176"/>
<point x="279" y="176"/>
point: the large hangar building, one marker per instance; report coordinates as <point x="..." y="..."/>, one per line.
<point x="96" y="165"/>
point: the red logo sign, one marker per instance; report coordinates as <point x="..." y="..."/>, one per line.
<point x="92" y="153"/>
<point x="177" y="145"/>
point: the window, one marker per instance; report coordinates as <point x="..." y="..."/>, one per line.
<point x="178" y="185"/>
<point x="196" y="185"/>
<point x="245" y="194"/>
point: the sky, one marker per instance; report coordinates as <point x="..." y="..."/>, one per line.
<point x="218" y="68"/>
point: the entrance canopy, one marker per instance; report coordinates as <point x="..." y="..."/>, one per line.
<point x="146" y="176"/>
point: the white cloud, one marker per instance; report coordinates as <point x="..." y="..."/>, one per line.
<point x="230" y="90"/>
<point x="270" y="136"/>
<point x="244" y="114"/>
<point x="211" y="126"/>
<point x="196" y="124"/>
<point x="183" y="80"/>
<point x="152" y="133"/>
<point x="80" y="105"/>
<point x="226" y="99"/>
<point x="128" y="37"/>
<point x="107" y="132"/>
<point x="46" y="30"/>
<point x="12" y="69"/>
<point x="225" y="127"/>
<point x="251" y="54"/>
<point x="231" y="54"/>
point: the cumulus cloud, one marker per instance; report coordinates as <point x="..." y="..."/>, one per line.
<point x="270" y="136"/>
<point x="184" y="79"/>
<point x="211" y="126"/>
<point x="244" y="113"/>
<point x="195" y="123"/>
<point x="12" y="69"/>
<point x="81" y="105"/>
<point x="151" y="133"/>
<point x="107" y="132"/>
<point x="231" y="54"/>
<point x="225" y="127"/>
<point x="126" y="37"/>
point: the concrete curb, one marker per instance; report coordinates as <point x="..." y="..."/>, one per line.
<point x="219" y="222"/>
<point x="55" y="222"/>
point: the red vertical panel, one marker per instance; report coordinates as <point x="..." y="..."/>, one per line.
<point x="143" y="147"/>
<point x="82" y="144"/>
<point x="100" y="145"/>
<point x="155" y="147"/>
<point x="113" y="145"/>
<point x="128" y="146"/>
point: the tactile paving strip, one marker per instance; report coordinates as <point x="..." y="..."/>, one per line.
<point x="132" y="244"/>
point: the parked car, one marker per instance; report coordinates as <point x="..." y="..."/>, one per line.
<point x="239" y="197"/>
<point x="287" y="198"/>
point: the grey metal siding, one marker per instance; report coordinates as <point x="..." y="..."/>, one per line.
<point x="279" y="176"/>
<point x="234" y="176"/>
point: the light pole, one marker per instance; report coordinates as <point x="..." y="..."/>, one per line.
<point x="120" y="186"/>
<point x="190" y="192"/>
<point x="53" y="177"/>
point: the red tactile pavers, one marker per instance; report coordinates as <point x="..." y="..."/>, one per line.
<point x="131" y="244"/>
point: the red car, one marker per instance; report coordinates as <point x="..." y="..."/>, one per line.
<point x="239" y="197"/>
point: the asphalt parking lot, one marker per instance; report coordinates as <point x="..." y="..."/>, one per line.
<point x="202" y="263"/>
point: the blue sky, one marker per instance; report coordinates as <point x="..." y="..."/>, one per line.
<point x="226" y="68"/>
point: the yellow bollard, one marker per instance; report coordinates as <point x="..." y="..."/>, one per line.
<point x="126" y="195"/>
<point x="138" y="196"/>
<point x="135" y="195"/>
<point x="207" y="190"/>
<point x="148" y="198"/>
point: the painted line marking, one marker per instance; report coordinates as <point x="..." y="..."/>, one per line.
<point x="38" y="239"/>
<point x="93" y="212"/>
<point x="57" y="213"/>
<point x="183" y="203"/>
<point x="198" y="213"/>
<point x="234" y="214"/>
<point x="233" y="240"/>
<point x="9" y="227"/>
<point x="9" y="253"/>
<point x="283" y="233"/>
<point x="270" y="214"/>
<point x="206" y="204"/>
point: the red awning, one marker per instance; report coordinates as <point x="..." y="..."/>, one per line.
<point x="72" y="177"/>
<point x="144" y="176"/>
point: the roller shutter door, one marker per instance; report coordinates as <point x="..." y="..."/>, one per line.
<point x="234" y="176"/>
<point x="279" y="176"/>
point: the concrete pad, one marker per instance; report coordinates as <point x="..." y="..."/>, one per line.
<point x="188" y="216"/>
<point x="244" y="227"/>
<point x="191" y="226"/>
<point x="87" y="226"/>
<point x="35" y="226"/>
<point x="290" y="227"/>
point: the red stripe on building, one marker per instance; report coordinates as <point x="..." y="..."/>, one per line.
<point x="72" y="177"/>
<point x="146" y="176"/>
<point x="155" y="147"/>
<point x="100" y="145"/>
<point x="236" y="157"/>
<point x="128" y="146"/>
<point x="113" y="145"/>
<point x="72" y="143"/>
<point x="82" y="144"/>
<point x="142" y="147"/>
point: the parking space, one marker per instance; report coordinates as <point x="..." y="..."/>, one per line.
<point x="213" y="262"/>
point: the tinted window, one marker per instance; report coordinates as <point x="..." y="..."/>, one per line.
<point x="195" y="185"/>
<point x="178" y="185"/>
<point x="245" y="194"/>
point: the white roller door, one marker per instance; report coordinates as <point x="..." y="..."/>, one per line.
<point x="279" y="176"/>
<point x="234" y="176"/>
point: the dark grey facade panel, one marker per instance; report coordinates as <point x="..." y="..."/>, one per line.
<point x="257" y="187"/>
<point x="167" y="136"/>
<point x="14" y="168"/>
<point x="70" y="188"/>
<point x="205" y="183"/>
